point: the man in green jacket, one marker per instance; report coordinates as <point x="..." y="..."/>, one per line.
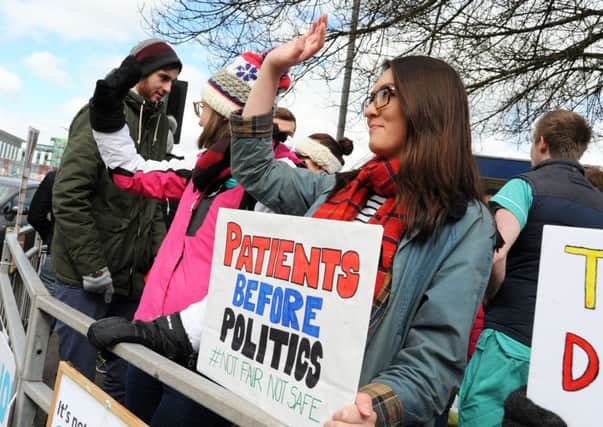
<point x="105" y="239"/>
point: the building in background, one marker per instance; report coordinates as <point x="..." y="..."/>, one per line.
<point x="11" y="154"/>
<point x="58" y="147"/>
<point x="45" y="156"/>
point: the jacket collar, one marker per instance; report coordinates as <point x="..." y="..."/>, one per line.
<point x="144" y="110"/>
<point x="135" y="100"/>
<point x="566" y="164"/>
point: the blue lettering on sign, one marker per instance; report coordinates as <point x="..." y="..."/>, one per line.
<point x="6" y="389"/>
<point x="286" y="306"/>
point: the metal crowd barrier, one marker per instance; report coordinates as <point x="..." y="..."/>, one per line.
<point x="28" y="311"/>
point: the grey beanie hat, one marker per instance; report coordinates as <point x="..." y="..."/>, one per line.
<point x="155" y="54"/>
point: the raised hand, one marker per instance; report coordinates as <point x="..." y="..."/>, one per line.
<point x="299" y="49"/>
<point x="124" y="77"/>
<point x="106" y="108"/>
<point x="278" y="61"/>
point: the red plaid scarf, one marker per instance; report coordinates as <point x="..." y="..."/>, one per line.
<point x="378" y="176"/>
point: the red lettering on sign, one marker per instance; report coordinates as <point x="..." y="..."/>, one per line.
<point x="233" y="240"/>
<point x="592" y="369"/>
<point x="331" y="259"/>
<point x="306" y="271"/>
<point x="282" y="270"/>
<point x="316" y="268"/>
<point x="347" y="283"/>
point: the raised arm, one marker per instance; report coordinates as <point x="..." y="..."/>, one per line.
<point x="159" y="180"/>
<point x="278" y="186"/>
<point x="281" y="188"/>
<point x="277" y="62"/>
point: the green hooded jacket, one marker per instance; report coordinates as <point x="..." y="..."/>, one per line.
<point x="96" y="223"/>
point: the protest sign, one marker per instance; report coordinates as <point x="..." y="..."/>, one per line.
<point x="288" y="311"/>
<point x="7" y="379"/>
<point x="567" y="342"/>
<point x="78" y="402"/>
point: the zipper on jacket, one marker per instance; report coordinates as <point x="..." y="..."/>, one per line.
<point x="156" y="130"/>
<point x="140" y="122"/>
<point x="195" y="203"/>
<point x="167" y="289"/>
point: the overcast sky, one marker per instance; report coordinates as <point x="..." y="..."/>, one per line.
<point x="54" y="50"/>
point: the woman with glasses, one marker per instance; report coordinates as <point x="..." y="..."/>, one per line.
<point x="179" y="276"/>
<point x="438" y="239"/>
<point x="437" y="244"/>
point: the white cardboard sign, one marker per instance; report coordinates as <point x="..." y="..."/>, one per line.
<point x="567" y="343"/>
<point x="78" y="402"/>
<point x="288" y="311"/>
<point x="7" y="379"/>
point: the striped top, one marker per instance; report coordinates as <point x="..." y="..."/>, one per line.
<point x="372" y="205"/>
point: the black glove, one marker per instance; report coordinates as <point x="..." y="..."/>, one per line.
<point x="106" y="105"/>
<point x="164" y="335"/>
<point x="522" y="412"/>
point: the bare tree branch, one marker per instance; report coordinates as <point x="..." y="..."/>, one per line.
<point x="518" y="58"/>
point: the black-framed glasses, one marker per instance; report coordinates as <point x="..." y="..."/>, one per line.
<point x="198" y="107"/>
<point x="380" y="98"/>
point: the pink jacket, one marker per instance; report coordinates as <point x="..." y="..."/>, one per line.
<point x="180" y="274"/>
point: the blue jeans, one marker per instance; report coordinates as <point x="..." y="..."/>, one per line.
<point x="161" y="406"/>
<point x="75" y="348"/>
<point x="47" y="275"/>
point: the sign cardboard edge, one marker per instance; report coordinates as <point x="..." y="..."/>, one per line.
<point x="95" y="391"/>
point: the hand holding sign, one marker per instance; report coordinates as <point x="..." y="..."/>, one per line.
<point x="359" y="414"/>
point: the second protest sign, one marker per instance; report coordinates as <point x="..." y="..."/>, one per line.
<point x="288" y="311"/>
<point x="566" y="344"/>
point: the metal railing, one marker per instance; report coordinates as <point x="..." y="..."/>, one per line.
<point x="28" y="312"/>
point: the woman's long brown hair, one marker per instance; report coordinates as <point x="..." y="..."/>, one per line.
<point x="216" y="129"/>
<point x="438" y="174"/>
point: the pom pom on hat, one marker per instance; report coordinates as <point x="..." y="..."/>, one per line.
<point x="228" y="89"/>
